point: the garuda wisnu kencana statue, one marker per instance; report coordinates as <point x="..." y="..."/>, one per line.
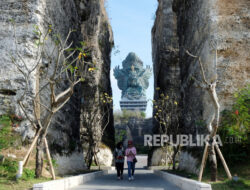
<point x="133" y="79"/>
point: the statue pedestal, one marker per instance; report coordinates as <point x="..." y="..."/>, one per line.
<point x="133" y="105"/>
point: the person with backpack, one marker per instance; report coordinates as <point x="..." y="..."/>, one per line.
<point x="131" y="159"/>
<point x="119" y="154"/>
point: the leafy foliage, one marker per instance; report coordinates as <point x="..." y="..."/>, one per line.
<point x="7" y="136"/>
<point x="8" y="169"/>
<point x="120" y="135"/>
<point x="235" y="128"/>
<point x="236" y="122"/>
<point x="97" y="114"/>
<point x="28" y="174"/>
<point x="125" y="115"/>
<point x="167" y="113"/>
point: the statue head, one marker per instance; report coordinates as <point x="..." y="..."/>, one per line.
<point x="132" y="63"/>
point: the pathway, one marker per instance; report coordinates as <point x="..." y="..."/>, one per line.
<point x="144" y="179"/>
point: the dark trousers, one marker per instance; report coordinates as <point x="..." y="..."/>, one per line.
<point x="119" y="168"/>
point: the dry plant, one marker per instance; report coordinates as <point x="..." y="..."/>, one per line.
<point x="212" y="124"/>
<point x="95" y="120"/>
<point x="167" y="115"/>
<point x="56" y="64"/>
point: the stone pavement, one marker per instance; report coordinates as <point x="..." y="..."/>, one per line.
<point x="144" y="180"/>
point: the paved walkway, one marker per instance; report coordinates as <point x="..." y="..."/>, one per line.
<point x="144" y="179"/>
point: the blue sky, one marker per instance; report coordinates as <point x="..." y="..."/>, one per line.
<point x="131" y="21"/>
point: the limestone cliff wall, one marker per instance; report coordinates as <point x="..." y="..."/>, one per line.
<point x="97" y="34"/>
<point x="63" y="15"/>
<point x="165" y="49"/>
<point x="199" y="24"/>
<point x="165" y="52"/>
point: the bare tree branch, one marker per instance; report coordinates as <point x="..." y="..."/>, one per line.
<point x="201" y="65"/>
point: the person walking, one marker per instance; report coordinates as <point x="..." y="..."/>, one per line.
<point x="131" y="159"/>
<point x="119" y="155"/>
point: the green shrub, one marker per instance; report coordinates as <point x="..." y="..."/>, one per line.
<point x="125" y="115"/>
<point x="7" y="136"/>
<point x="236" y="122"/>
<point x="235" y="125"/>
<point x="120" y="135"/>
<point x="8" y="169"/>
<point x="53" y="162"/>
<point x="28" y="174"/>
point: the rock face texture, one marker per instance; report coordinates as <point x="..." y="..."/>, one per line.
<point x="165" y="49"/>
<point x="89" y="20"/>
<point x="98" y="36"/>
<point x="161" y="156"/>
<point x="197" y="26"/>
<point x="105" y="156"/>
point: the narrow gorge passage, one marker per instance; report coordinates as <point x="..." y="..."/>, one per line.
<point x="144" y="179"/>
<point x="130" y="76"/>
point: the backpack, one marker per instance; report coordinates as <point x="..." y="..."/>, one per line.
<point x="119" y="154"/>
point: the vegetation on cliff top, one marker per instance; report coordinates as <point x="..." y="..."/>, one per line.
<point x="125" y="115"/>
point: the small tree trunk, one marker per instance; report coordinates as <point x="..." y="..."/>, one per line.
<point x="89" y="157"/>
<point x="213" y="163"/>
<point x="41" y="146"/>
<point x="90" y="160"/>
<point x="97" y="161"/>
<point x="39" y="157"/>
<point x="176" y="149"/>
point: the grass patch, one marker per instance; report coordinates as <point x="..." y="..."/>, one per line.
<point x="8" y="171"/>
<point x="231" y="185"/>
<point x="8" y="138"/>
<point x="10" y="141"/>
<point x="6" y="184"/>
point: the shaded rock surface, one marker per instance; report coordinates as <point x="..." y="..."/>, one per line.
<point x="97" y="34"/>
<point x="89" y="20"/>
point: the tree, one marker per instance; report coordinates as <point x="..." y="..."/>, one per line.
<point x="53" y="67"/>
<point x="212" y="124"/>
<point x="167" y="115"/>
<point x="95" y="120"/>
